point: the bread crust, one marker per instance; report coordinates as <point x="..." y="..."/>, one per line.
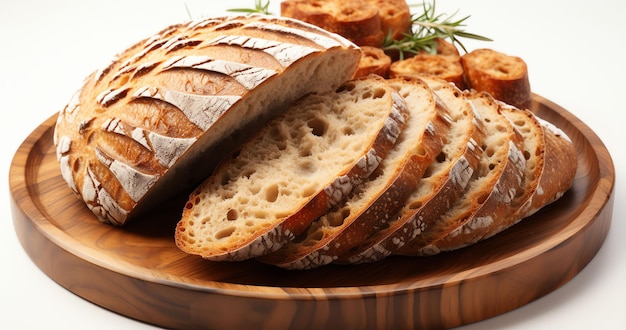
<point x="490" y="190"/>
<point x="132" y="136"/>
<point x="281" y="219"/>
<point x="503" y="76"/>
<point x="446" y="180"/>
<point x="371" y="204"/>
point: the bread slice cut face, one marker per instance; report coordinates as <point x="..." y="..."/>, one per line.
<point x="296" y="168"/>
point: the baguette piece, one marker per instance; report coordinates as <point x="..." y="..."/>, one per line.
<point x="395" y="17"/>
<point x="356" y="20"/>
<point x="503" y="76"/>
<point x="442" y="184"/>
<point x="373" y="61"/>
<point x="372" y="202"/>
<point x="135" y="133"/>
<point x="291" y="172"/>
<point x="488" y="193"/>
<point x="431" y="65"/>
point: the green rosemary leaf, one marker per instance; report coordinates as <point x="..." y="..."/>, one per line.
<point x="259" y="8"/>
<point x="426" y="28"/>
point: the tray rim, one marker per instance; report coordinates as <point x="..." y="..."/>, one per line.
<point x="51" y="232"/>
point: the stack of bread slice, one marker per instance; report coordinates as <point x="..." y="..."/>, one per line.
<point x="464" y="166"/>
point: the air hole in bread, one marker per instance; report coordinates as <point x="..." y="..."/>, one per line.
<point x="347" y="130"/>
<point x="232" y="215"/>
<point x="501" y="128"/>
<point x="224" y="233"/>
<point x="526" y="154"/>
<point x="490" y="152"/>
<point x="77" y="164"/>
<point x="271" y="193"/>
<point x="318" y="126"/>
<point x="346" y="87"/>
<point x="492" y="166"/>
<point x="366" y="95"/>
<point x="306" y="167"/>
<point x="305" y="150"/>
<point x="249" y="223"/>
<point x="379" y="93"/>
<point x="441" y="157"/>
<point x="415" y="205"/>
<point x="519" y="123"/>
<point x="281" y="145"/>
<point x="336" y="219"/>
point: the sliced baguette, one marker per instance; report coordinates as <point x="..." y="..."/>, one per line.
<point x="494" y="185"/>
<point x="443" y="182"/>
<point x="375" y="200"/>
<point x="355" y="20"/>
<point x="503" y="76"/>
<point x="373" y="61"/>
<point x="432" y="65"/>
<point x="291" y="172"/>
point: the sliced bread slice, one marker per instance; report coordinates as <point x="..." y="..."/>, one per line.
<point x="441" y="185"/>
<point x="494" y="185"/>
<point x="558" y="172"/>
<point x="292" y="171"/>
<point x="370" y="204"/>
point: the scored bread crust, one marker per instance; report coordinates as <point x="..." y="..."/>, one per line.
<point x="488" y="193"/>
<point x="135" y="132"/>
<point x="503" y="76"/>
<point x="446" y="178"/>
<point x="296" y="168"/>
<point x="377" y="199"/>
<point x="550" y="163"/>
<point x="559" y="171"/>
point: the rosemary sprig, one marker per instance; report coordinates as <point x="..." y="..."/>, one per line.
<point x="259" y="8"/>
<point x="426" y="29"/>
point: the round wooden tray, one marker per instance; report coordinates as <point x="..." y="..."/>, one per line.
<point x="137" y="271"/>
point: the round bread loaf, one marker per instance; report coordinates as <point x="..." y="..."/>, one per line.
<point x="157" y="120"/>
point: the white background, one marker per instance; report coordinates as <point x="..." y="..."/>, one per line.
<point x="574" y="50"/>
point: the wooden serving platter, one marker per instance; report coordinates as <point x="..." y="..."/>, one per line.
<point x="137" y="271"/>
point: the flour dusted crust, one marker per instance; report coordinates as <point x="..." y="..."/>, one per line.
<point x="294" y="170"/>
<point x="370" y="205"/>
<point x="135" y="132"/>
<point x="443" y="183"/>
<point x="488" y="195"/>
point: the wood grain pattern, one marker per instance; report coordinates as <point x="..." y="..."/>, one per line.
<point x="137" y="271"/>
